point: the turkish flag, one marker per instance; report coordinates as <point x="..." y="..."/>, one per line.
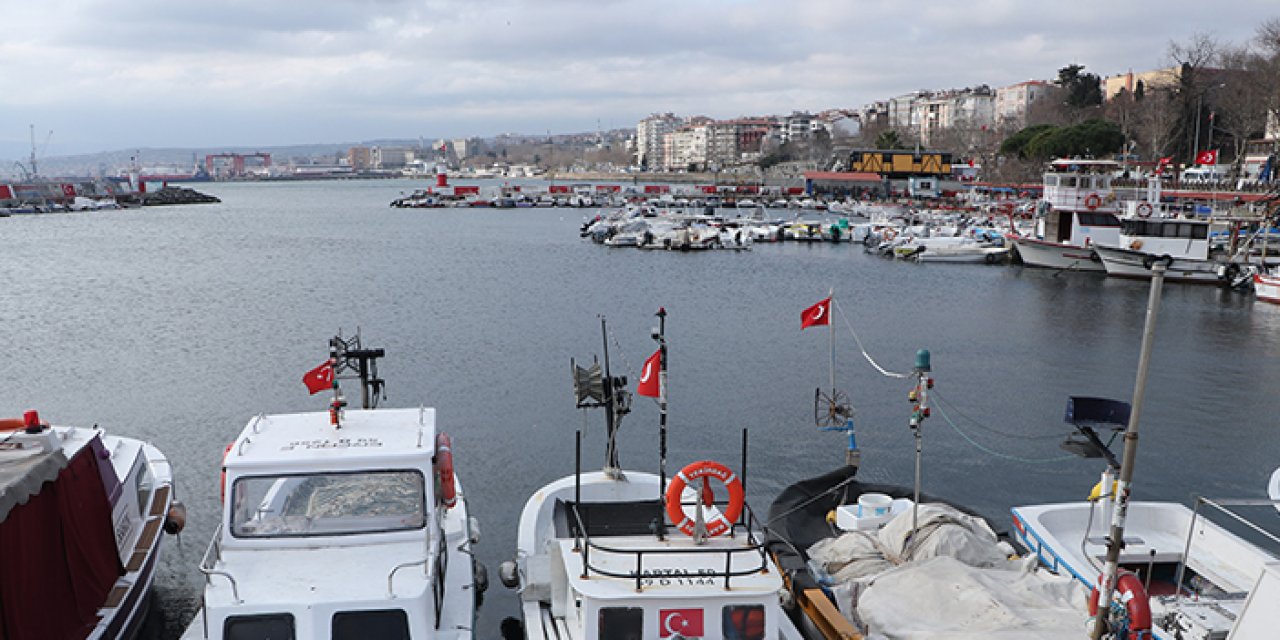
<point x="1207" y="157"/>
<point x="650" y="381"/>
<point x="319" y="378"/>
<point x="686" y="622"/>
<point x="817" y="315"/>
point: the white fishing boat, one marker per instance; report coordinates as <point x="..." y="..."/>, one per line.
<point x="341" y="524"/>
<point x="1180" y="575"/>
<point x="619" y="554"/>
<point x="1181" y="244"/>
<point x="1266" y="288"/>
<point x="1078" y="212"/>
<point x="81" y="514"/>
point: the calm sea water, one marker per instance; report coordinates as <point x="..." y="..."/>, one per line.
<point x="178" y="324"/>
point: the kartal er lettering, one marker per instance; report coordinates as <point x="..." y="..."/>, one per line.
<point x="341" y="443"/>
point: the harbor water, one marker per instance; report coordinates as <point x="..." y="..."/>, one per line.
<point x="179" y="324"/>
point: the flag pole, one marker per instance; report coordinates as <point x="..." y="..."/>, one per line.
<point x="661" y="337"/>
<point x="831" y="325"/>
<point x="337" y="403"/>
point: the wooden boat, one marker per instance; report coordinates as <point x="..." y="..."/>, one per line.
<point x="342" y="524"/>
<point x="81" y="513"/>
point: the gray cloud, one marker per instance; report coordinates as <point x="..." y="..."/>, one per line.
<point x="181" y="73"/>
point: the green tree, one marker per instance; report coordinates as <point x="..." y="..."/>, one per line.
<point x="1083" y="89"/>
<point x="1016" y="144"/>
<point x="889" y="139"/>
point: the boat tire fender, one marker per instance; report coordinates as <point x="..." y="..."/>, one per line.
<point x="722" y="522"/>
<point x="448" y="490"/>
<point x="1135" y="600"/>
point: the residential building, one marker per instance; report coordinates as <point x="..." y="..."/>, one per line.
<point x="688" y="148"/>
<point x="1013" y="103"/>
<point x="650" y="139"/>
<point x="391" y="157"/>
<point x="360" y="158"/>
<point x="1158" y="78"/>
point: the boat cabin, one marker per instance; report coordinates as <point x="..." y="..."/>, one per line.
<point x="1080" y="185"/>
<point x="1177" y="237"/>
<point x="338" y="532"/>
<point x="610" y="569"/>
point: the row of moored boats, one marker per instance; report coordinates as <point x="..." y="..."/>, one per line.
<point x="352" y="523"/>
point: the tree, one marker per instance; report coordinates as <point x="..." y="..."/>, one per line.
<point x="1192" y="60"/>
<point x="1154" y="121"/>
<point x="889" y="139"/>
<point x="1083" y="90"/>
<point x="1016" y="144"/>
<point x="1243" y="102"/>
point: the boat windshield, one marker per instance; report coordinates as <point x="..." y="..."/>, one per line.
<point x="326" y="504"/>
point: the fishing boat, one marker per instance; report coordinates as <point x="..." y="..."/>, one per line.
<point x="616" y="554"/>
<point x="1266" y="287"/>
<point x="1078" y="212"/>
<point x="81" y="513"/>
<point x="1181" y="575"/>
<point x="1182" y="245"/>
<point x="342" y="524"/>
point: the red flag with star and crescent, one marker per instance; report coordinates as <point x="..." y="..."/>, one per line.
<point x="1207" y="157"/>
<point x="319" y="378"/>
<point x="686" y="623"/>
<point x="650" y="376"/>
<point x="817" y="315"/>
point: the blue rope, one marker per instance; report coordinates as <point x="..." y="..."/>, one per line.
<point x="998" y="454"/>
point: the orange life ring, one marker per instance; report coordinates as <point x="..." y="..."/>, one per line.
<point x="448" y="494"/>
<point x="1144" y="210"/>
<point x="695" y="471"/>
<point x="222" y="486"/>
<point x="1135" y="601"/>
<point x="1092" y="201"/>
<point x="889" y="235"/>
<point x="1135" y="245"/>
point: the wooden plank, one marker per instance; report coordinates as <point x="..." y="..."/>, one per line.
<point x="826" y="617"/>
<point x="159" y="499"/>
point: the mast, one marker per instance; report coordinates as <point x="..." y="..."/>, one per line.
<point x="1116" y="538"/>
<point x="661" y="336"/>
<point x="611" y="449"/>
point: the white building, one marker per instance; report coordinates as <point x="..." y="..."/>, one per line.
<point x="1014" y="101"/>
<point x="650" y="134"/>
<point x="688" y="148"/>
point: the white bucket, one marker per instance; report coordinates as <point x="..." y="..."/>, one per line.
<point x="874" y="505"/>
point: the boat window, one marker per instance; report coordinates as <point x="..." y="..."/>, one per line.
<point x="1051" y="180"/>
<point x="385" y="624"/>
<point x="1068" y="181"/>
<point x="325" y="504"/>
<point x="145" y="483"/>
<point x="1098" y="220"/>
<point x="1171" y="230"/>
<point x="272" y="626"/>
<point x="622" y="623"/>
<point x="743" y="622"/>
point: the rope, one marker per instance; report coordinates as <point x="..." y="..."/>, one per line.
<point x="998" y="454"/>
<point x="1020" y="436"/>
<point x="884" y="372"/>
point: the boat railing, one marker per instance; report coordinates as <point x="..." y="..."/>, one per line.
<point x="1222" y="506"/>
<point x="747" y="525"/>
<point x="210" y="560"/>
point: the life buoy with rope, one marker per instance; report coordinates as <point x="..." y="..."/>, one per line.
<point x="722" y="521"/>
<point x="1144" y="210"/>
<point x="1092" y="201"/>
<point x="1135" y="600"/>
<point x="448" y="490"/>
<point x="889" y="235"/>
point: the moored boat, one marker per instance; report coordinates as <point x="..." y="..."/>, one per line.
<point x="1078" y="212"/>
<point x="629" y="554"/>
<point x="81" y="516"/>
<point x="341" y="524"/>
<point x="1181" y="244"/>
<point x="1266" y="288"/>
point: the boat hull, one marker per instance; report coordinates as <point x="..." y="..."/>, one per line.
<point x="1055" y="255"/>
<point x="1266" y="288"/>
<point x="1130" y="263"/>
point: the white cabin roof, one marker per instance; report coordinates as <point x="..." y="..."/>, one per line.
<point x="367" y="438"/>
<point x="666" y="573"/>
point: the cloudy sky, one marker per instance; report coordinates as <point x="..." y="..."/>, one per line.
<point x="175" y="73"/>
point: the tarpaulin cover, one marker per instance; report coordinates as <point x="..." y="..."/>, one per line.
<point x="59" y="557"/>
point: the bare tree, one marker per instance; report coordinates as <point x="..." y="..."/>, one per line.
<point x="1241" y="105"/>
<point x="1192" y="60"/>
<point x="1154" y="121"/>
